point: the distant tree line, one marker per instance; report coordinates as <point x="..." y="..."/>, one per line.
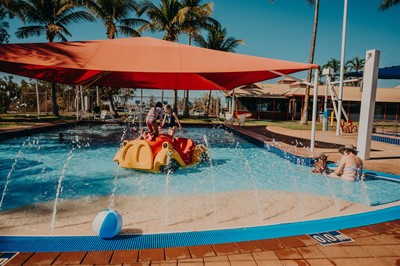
<point x="51" y="18"/>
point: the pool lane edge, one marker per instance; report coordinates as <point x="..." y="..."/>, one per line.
<point x="179" y="239"/>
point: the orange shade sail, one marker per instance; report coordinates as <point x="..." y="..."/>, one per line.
<point x="140" y="62"/>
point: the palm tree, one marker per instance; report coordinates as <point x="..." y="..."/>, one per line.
<point x="217" y="40"/>
<point x="115" y="15"/>
<point x="355" y="65"/>
<point x="4" y="25"/>
<point x="386" y="4"/>
<point x="335" y="65"/>
<point x="50" y="18"/>
<point x="192" y="17"/>
<point x="304" y="115"/>
<point x="163" y="18"/>
<point x="13" y="8"/>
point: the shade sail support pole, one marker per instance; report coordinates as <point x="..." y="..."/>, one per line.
<point x="77" y="101"/>
<point x="97" y="96"/>
<point x="37" y="98"/>
<point x="314" y="111"/>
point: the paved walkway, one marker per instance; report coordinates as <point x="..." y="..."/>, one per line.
<point x="384" y="157"/>
<point x="372" y="245"/>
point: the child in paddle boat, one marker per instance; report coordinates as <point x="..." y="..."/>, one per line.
<point x="350" y="167"/>
<point x="154" y="113"/>
<point x="171" y="120"/>
<point x="321" y="166"/>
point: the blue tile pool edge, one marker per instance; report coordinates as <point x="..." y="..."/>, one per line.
<point x="166" y="240"/>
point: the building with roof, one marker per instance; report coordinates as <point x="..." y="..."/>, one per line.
<point x="284" y="100"/>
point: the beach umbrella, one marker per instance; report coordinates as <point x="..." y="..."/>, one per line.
<point x="140" y="62"/>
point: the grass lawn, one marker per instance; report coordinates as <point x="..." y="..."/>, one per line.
<point x="9" y="120"/>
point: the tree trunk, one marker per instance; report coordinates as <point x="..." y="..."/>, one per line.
<point x="112" y="104"/>
<point x="186" y="104"/>
<point x="304" y="115"/>
<point x="186" y="98"/>
<point x="208" y="104"/>
<point x="54" y="99"/>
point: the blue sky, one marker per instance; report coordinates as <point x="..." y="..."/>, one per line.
<point x="282" y="30"/>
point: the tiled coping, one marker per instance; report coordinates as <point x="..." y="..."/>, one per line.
<point x="296" y="159"/>
<point x="386" y="139"/>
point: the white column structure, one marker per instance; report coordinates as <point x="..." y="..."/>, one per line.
<point x="339" y="114"/>
<point x="314" y="111"/>
<point x="370" y="79"/>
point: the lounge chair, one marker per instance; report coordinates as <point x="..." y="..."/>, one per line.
<point x="344" y="127"/>
<point x="241" y="119"/>
<point x="104" y="115"/>
<point x="228" y="118"/>
<point x="83" y="115"/>
<point x="353" y="128"/>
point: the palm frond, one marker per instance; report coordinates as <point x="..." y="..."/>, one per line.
<point x="78" y="16"/>
<point x="30" y="31"/>
<point x="128" y="31"/>
<point x="386" y="4"/>
<point x="133" y="22"/>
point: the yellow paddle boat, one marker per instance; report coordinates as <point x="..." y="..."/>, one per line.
<point x="161" y="154"/>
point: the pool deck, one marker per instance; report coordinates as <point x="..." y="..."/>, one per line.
<point x="377" y="244"/>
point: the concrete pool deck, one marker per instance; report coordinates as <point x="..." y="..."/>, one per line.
<point x="375" y="244"/>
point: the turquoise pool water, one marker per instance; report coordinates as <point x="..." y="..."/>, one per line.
<point x="30" y="169"/>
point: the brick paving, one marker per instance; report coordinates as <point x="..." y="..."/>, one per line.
<point x="372" y="245"/>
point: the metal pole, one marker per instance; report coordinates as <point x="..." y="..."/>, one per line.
<point x="97" y="96"/>
<point x="233" y="103"/>
<point x="82" y="103"/>
<point x="325" y="124"/>
<point x="314" y="111"/>
<point x="339" y="116"/>
<point x="37" y="99"/>
<point x="77" y="101"/>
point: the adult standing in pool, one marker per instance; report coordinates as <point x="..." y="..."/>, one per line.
<point x="350" y="166"/>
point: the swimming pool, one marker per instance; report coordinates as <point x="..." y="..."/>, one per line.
<point x="242" y="185"/>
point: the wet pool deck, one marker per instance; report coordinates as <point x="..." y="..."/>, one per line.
<point x="372" y="245"/>
<point x="377" y="244"/>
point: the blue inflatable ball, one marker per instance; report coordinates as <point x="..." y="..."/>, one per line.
<point x="107" y="223"/>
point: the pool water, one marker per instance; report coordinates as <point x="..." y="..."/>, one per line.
<point x="31" y="167"/>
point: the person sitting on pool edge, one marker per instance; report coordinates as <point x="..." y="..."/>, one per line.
<point x="350" y="167"/>
<point x="171" y="121"/>
<point x="321" y="166"/>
